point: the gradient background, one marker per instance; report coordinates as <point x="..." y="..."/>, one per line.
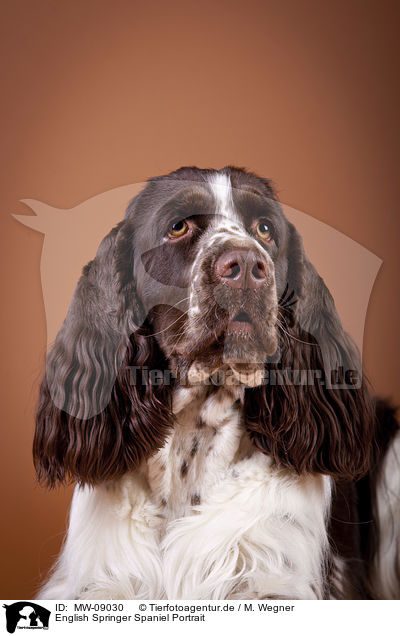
<point x="100" y="94"/>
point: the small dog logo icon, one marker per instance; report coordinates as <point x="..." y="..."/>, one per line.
<point x="26" y="615"/>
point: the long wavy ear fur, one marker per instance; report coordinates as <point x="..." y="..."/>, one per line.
<point x="93" y="423"/>
<point x="313" y="418"/>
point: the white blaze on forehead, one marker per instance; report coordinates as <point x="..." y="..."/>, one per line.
<point x="228" y="225"/>
<point x="221" y="188"/>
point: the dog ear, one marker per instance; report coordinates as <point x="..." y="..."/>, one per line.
<point x="95" y="418"/>
<point x="314" y="412"/>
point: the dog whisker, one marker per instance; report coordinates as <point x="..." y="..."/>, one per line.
<point x="156" y="333"/>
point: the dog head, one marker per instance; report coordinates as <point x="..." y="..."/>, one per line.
<point x="205" y="273"/>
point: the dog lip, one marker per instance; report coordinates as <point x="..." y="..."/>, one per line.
<point x="242" y="317"/>
<point x="241" y="323"/>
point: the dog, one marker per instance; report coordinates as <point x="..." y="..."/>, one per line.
<point x="205" y="398"/>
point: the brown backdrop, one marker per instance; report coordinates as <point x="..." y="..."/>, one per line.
<point x="99" y="94"/>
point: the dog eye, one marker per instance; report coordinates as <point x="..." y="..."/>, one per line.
<point x="178" y="229"/>
<point x="264" y="231"/>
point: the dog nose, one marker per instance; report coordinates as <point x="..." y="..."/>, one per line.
<point x="241" y="269"/>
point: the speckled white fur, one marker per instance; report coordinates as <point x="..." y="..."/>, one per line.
<point x="207" y="517"/>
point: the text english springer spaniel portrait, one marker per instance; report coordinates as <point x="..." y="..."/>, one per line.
<point x="205" y="398"/>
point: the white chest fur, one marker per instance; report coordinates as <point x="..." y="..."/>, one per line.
<point x="207" y="517"/>
<point x="200" y="453"/>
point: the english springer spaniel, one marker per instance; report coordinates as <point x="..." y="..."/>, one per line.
<point x="205" y="398"/>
